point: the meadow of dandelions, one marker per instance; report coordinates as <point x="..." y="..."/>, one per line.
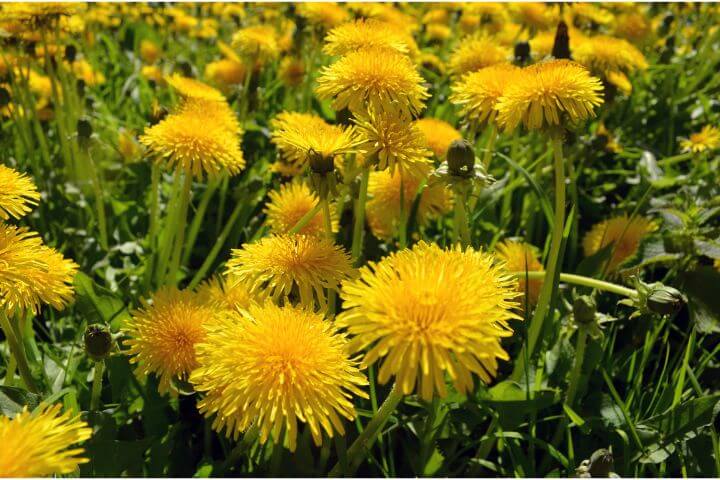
<point x="359" y="239"/>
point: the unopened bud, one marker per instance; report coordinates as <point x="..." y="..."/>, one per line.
<point x="665" y="300"/>
<point x="522" y="52"/>
<point x="461" y="158"/>
<point x="4" y="97"/>
<point x="84" y="129"/>
<point x="561" y="47"/>
<point x="98" y="342"/>
<point x="70" y="53"/>
<point x="602" y="463"/>
<point x="584" y="309"/>
<point x="320" y="163"/>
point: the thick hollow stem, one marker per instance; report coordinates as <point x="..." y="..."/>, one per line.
<point x="180" y="232"/>
<point x="580" y="345"/>
<point x="328" y="231"/>
<point x="97" y="385"/>
<point x="305" y="219"/>
<point x="358" y="450"/>
<point x="462" y="229"/>
<point x="17" y="350"/>
<point x="198" y="219"/>
<point x="358" y="228"/>
<point x="490" y="147"/>
<point x="582" y="281"/>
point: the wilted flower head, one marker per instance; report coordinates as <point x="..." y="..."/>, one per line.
<point x="272" y="366"/>
<point x="379" y="78"/>
<point x="551" y="93"/>
<point x="289" y="204"/>
<point x="428" y="312"/>
<point x="32" y="274"/>
<point x="475" y="53"/>
<point x="363" y="34"/>
<point x="291" y="266"/>
<point x="521" y="257"/>
<point x="41" y="443"/>
<point x="478" y="92"/>
<point x="623" y="232"/>
<point x="705" y="140"/>
<point x="164" y="332"/>
<point x="257" y="43"/>
<point x="438" y="134"/>
<point x="18" y="193"/>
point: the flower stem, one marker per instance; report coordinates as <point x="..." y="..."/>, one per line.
<point x="328" y="231"/>
<point x="17" y="350"/>
<point x="197" y="220"/>
<point x="306" y="218"/>
<point x="358" y="228"/>
<point x="97" y="385"/>
<point x="99" y="203"/>
<point x="180" y="231"/>
<point x="583" y="281"/>
<point x="462" y="230"/>
<point x="580" y="345"/>
<point x="490" y="147"/>
<point x="358" y="450"/>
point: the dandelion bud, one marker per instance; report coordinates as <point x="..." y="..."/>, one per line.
<point x="98" y="342"/>
<point x="4" y="97"/>
<point x="320" y="163"/>
<point x="601" y="463"/>
<point x="522" y="52"/>
<point x="461" y="158"/>
<point x="70" y="53"/>
<point x="561" y="47"/>
<point x="343" y="117"/>
<point x="665" y="300"/>
<point x="584" y="309"/>
<point x="84" y="129"/>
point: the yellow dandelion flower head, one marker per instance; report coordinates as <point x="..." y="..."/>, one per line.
<point x="589" y="12"/>
<point x="149" y="51"/>
<point x="200" y="138"/>
<point x="394" y="141"/>
<point x="191" y="88"/>
<point x="377" y="77"/>
<point x="427" y="312"/>
<point x="469" y="22"/>
<point x="549" y="94"/>
<point x="225" y="72"/>
<point x="154" y="73"/>
<point x="297" y="135"/>
<point x="431" y="62"/>
<point x="437" y="32"/>
<point x="32" y="274"/>
<point x="163" y="334"/>
<point x="534" y="14"/>
<point x="385" y="12"/>
<point x="383" y="206"/>
<point x="363" y="34"/>
<point x="478" y="92"/>
<point x="325" y="15"/>
<point x="223" y="293"/>
<point x="541" y="44"/>
<point x="228" y="52"/>
<point x="292" y="71"/>
<point x="633" y="26"/>
<point x="38" y="11"/>
<point x="509" y="34"/>
<point x="84" y="71"/>
<point x="522" y="257"/>
<point x="272" y="366"/>
<point x="18" y="193"/>
<point x="41" y="443"/>
<point x="604" y="54"/>
<point x="297" y="266"/>
<point x="128" y="146"/>
<point x="439" y="134"/>
<point x="477" y="52"/>
<point x="291" y="203"/>
<point x="705" y="140"/>
<point x="258" y="43"/>
<point x="620" y="80"/>
<point x="623" y="232"/>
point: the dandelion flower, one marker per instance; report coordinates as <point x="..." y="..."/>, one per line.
<point x="549" y="94"/>
<point x="633" y="26"/>
<point x="439" y="134"/>
<point x="197" y="142"/>
<point x="272" y="366"/>
<point x="149" y="51"/>
<point x="364" y="34"/>
<point x="438" y="33"/>
<point x="292" y="71"/>
<point x="427" y="312"/>
<point x="153" y="72"/>
<point x="191" y="88"/>
<point x="534" y="14"/>
<point x="225" y="293"/>
<point x="41" y="443"/>
<point x="289" y="204"/>
<point x="383" y="206"/>
<point x="32" y="274"/>
<point x="163" y="334"/>
<point x="611" y="58"/>
<point x="396" y="142"/>
<point x="706" y="139"/>
<point x="18" y="193"/>
<point x="257" y="43"/>
<point x="325" y="15"/>
<point x="291" y="265"/>
<point x="380" y="78"/>
<point x="475" y="53"/>
<point x="225" y="72"/>
<point x="478" y="92"/>
<point x="624" y="233"/>
<point x="522" y="257"/>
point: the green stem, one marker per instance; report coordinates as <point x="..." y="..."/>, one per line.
<point x="200" y="274"/>
<point x="198" y="219"/>
<point x="154" y="220"/>
<point x="99" y="203"/>
<point x="166" y="237"/>
<point x="329" y="233"/>
<point x="307" y="218"/>
<point x="487" y="444"/>
<point x="490" y="147"/>
<point x="97" y="385"/>
<point x="10" y="371"/>
<point x="241" y="448"/>
<point x="358" y="227"/>
<point x="667" y="161"/>
<point x="17" y="350"/>
<point x="462" y="230"/>
<point x="402" y="222"/>
<point x="358" y="450"/>
<point x="580" y="345"/>
<point x="180" y="232"/>
<point x="582" y="281"/>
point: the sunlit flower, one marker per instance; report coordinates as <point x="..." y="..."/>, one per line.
<point x="706" y="139"/>
<point x="611" y="58"/>
<point x="589" y="13"/>
<point x="534" y="14"/>
<point x="149" y="51"/>
<point x="438" y="134"/>
<point x="18" y="193"/>
<point x="41" y="443"/>
<point x="623" y="232"/>
<point x="385" y="12"/>
<point x="289" y="204"/>
<point x="191" y="88"/>
<point x="522" y="257"/>
<point x="383" y="205"/>
<point x="428" y="312"/>
<point x="292" y="71"/>
<point x="272" y="366"/>
<point x="199" y="139"/>
<point x="438" y="33"/>
<point x="297" y="266"/>
<point x="475" y="53"/>
<point x="257" y="43"/>
<point x="84" y="71"/>
<point x="436" y="16"/>
<point x="154" y="73"/>
<point x="128" y="146"/>
<point x="223" y="293"/>
<point x="431" y="62"/>
<point x="32" y="274"/>
<point x="633" y="26"/>
<point x="393" y="141"/>
<point x="38" y="12"/>
<point x="163" y="335"/>
<point x="225" y="72"/>
<point x="380" y="78"/>
<point x="550" y="93"/>
<point x="478" y="92"/>
<point x="325" y="15"/>
<point x="363" y="34"/>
